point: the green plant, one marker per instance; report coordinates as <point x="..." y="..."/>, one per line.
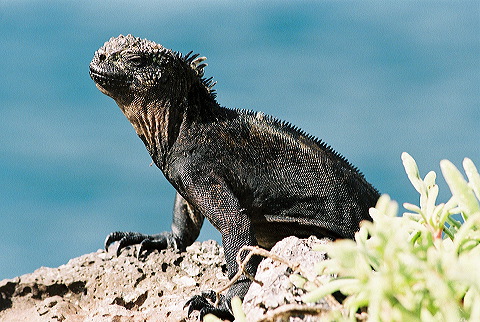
<point x="422" y="266"/>
<point x="237" y="312"/>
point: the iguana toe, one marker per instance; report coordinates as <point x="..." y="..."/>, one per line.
<point x="125" y="239"/>
<point x="202" y="304"/>
<point x="151" y="244"/>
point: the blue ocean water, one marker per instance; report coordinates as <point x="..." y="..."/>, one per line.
<point x="372" y="79"/>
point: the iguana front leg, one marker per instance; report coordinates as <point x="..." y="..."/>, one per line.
<point x="240" y="234"/>
<point x="186" y="225"/>
<point x="221" y="206"/>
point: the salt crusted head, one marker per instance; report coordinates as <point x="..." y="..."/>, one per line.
<point x="126" y="68"/>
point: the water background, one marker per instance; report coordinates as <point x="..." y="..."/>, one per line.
<point x="372" y="79"/>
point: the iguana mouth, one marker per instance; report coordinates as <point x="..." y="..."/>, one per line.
<point x="109" y="82"/>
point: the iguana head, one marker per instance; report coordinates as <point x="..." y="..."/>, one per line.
<point x="128" y="68"/>
<point x="152" y="85"/>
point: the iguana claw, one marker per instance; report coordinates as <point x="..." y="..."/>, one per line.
<point x="202" y="303"/>
<point x="146" y="242"/>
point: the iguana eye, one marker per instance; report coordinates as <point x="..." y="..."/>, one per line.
<point x="137" y="60"/>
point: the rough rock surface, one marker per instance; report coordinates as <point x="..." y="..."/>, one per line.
<point x="103" y="287"/>
<point x="277" y="289"/>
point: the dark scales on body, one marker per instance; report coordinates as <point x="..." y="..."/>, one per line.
<point x="255" y="178"/>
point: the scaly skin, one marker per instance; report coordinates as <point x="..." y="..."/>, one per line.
<point x="255" y="178"/>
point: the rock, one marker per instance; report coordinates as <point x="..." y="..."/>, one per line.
<point x="103" y="287"/>
<point x="277" y="290"/>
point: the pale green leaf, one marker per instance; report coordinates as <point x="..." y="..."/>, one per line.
<point x="412" y="172"/>
<point x="472" y="175"/>
<point x="211" y="318"/>
<point x="460" y="189"/>
<point x="328" y="288"/>
<point x="238" y="310"/>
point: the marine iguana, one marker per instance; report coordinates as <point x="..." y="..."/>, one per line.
<point x="257" y="179"/>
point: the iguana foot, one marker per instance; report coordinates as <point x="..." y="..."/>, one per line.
<point x="203" y="303"/>
<point x="147" y="242"/>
